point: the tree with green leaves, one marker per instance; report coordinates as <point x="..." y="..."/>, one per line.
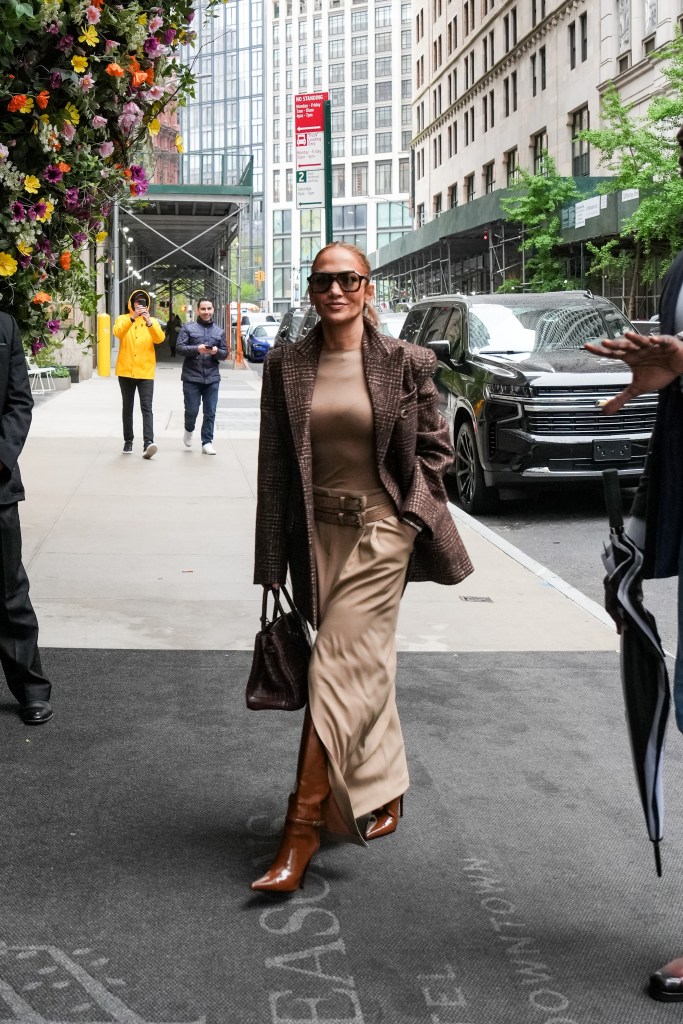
<point x="641" y="153"/>
<point x="536" y="204"/>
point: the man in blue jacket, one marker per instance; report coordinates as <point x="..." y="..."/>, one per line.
<point x="18" y="624"/>
<point x="203" y="345"/>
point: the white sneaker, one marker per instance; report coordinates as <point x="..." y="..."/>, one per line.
<point x="150" y="450"/>
<point x="187" y="438"/>
<point x="208" y="449"/>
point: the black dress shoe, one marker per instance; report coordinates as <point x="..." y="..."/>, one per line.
<point x="35" y="712"/>
<point x="666" y="984"/>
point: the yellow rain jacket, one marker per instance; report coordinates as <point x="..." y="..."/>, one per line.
<point x="136" y="343"/>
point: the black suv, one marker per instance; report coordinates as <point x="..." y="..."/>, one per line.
<point x="521" y="395"/>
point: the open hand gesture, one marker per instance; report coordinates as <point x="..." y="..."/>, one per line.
<point x="655" y="362"/>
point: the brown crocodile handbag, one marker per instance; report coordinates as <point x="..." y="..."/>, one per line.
<point x="278" y="680"/>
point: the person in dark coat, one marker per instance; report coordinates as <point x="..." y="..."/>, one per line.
<point x="351" y="502"/>
<point x="172" y="330"/>
<point x="656" y="522"/>
<point x="204" y="347"/>
<point x="19" y="653"/>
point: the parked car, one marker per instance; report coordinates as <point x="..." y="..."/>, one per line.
<point x="392" y="323"/>
<point x="249" y="319"/>
<point x="295" y="323"/>
<point x="522" y="397"/>
<point x="259" y="341"/>
<point x="646" y="327"/>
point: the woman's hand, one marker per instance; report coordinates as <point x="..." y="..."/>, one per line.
<point x="655" y="362"/>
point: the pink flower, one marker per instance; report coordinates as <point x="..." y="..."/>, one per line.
<point x="155" y="23"/>
<point x="106" y="149"/>
<point x="130" y="117"/>
<point x="87" y="82"/>
<point x="98" y="122"/>
<point x="155" y="93"/>
<point x="92" y="14"/>
<point x="68" y="131"/>
<point x="111" y="44"/>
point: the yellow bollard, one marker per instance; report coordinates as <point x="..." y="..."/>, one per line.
<point x="103" y="344"/>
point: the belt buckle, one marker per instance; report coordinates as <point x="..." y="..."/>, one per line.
<point x="352" y="504"/>
<point x="351" y="519"/>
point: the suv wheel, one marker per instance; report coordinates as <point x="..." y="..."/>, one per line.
<point x="473" y="494"/>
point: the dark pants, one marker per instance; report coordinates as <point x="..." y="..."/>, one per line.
<point x="18" y="624"/>
<point x="145" y="388"/>
<point x="207" y="394"/>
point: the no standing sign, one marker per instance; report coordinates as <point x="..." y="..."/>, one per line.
<point x="309" y="128"/>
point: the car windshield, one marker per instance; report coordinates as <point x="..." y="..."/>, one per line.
<point x="526" y="328"/>
<point x="265" y="331"/>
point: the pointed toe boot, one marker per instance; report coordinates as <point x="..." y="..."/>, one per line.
<point x="384" y="821"/>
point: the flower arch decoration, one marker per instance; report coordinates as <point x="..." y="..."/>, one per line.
<point x="82" y="85"/>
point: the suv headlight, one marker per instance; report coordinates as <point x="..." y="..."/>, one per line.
<point x="496" y="389"/>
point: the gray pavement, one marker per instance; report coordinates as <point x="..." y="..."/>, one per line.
<point x="520" y="886"/>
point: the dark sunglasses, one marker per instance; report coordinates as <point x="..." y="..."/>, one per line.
<point x="349" y="281"/>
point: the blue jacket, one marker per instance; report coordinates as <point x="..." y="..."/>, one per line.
<point x="199" y="368"/>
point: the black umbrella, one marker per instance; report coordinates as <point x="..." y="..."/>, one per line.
<point x="643" y="669"/>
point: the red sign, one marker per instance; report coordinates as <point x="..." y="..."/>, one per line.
<point x="308" y="112"/>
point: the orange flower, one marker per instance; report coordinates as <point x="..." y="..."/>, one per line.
<point x="42" y="99"/>
<point x="64" y="261"/>
<point x="138" y="78"/>
<point x="40" y="297"/>
<point x="16" y="103"/>
<point x="150" y="76"/>
<point x="134" y="64"/>
<point x="115" y="70"/>
<point x="64" y="167"/>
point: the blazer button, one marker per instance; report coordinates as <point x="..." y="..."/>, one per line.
<point x="403" y="413"/>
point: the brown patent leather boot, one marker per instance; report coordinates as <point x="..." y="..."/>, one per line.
<point x="301" y="836"/>
<point x="385" y="819"/>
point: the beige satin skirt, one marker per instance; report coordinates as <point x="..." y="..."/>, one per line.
<point x="352" y="676"/>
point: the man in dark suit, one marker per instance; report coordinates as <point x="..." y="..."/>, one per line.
<point x="18" y="624"/>
<point x="656" y="523"/>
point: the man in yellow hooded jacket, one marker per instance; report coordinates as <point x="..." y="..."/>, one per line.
<point x="138" y="333"/>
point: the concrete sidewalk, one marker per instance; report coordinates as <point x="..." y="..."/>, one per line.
<point x="128" y="553"/>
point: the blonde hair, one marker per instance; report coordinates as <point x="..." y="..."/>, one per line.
<point x="369" y="311"/>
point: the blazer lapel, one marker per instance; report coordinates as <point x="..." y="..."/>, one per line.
<point x="384" y="376"/>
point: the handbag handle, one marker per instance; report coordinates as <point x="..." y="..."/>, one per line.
<point x="278" y="610"/>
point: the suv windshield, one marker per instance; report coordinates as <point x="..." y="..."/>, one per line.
<point x="521" y="328"/>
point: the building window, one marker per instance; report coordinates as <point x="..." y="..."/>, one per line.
<point x="359" y="119"/>
<point x="405" y="140"/>
<point x="336" y="49"/>
<point x="513" y="25"/>
<point x="405" y="39"/>
<point x="383" y="142"/>
<point x="383" y="17"/>
<point x="359" y="71"/>
<point x="359" y="145"/>
<point x="289" y="186"/>
<point x="541" y="56"/>
<point x="452" y="196"/>
<point x="382" y="117"/>
<point x="420" y="215"/>
<point x="404" y="175"/>
<point x="317" y="77"/>
<point x="489" y="177"/>
<point x="359" y="46"/>
<point x="359" y="21"/>
<point x="276" y="186"/>
<point x="406" y="115"/>
<point x="382" y="92"/>
<point x="513" y="85"/>
<point x="337" y="72"/>
<point x="533" y="74"/>
<point x="648" y="44"/>
<point x="383" y="67"/>
<point x="580" y="148"/>
<point x="303" y="79"/>
<point x="382" y="42"/>
<point x="335" y="25"/>
<point x="338" y="181"/>
<point x="540" y="147"/>
<point x="359" y="94"/>
<point x="359" y="177"/>
<point x="383" y="177"/>
<point x="436" y="204"/>
<point x="338" y="146"/>
<point x="506" y="96"/>
<point x="583" y="30"/>
<point x="624" y="63"/>
<point x="572" y="44"/>
<point x="469" y="188"/>
<point x="492" y="109"/>
<point x="337" y="122"/>
<point x="337" y="97"/>
<point x="511" y="165"/>
<point x="349" y="224"/>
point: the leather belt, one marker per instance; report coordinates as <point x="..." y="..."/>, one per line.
<point x="350" y="510"/>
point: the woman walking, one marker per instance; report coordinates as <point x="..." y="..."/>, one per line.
<point x="351" y="501"/>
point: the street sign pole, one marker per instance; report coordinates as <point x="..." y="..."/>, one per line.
<point x="328" y="171"/>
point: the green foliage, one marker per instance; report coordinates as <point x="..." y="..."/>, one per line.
<point x="82" y="85"/>
<point x="536" y="204"/>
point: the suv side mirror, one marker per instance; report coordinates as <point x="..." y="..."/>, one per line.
<point x="441" y="349"/>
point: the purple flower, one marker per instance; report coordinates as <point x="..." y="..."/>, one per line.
<point x="71" y="200"/>
<point x="65" y="43"/>
<point x="106" y="149"/>
<point x="43" y="245"/>
<point x="36" y="345"/>
<point x="24" y="262"/>
<point x="55" y="80"/>
<point x="152" y="48"/>
<point x="167" y="36"/>
<point x="31" y="213"/>
<point x="53" y="28"/>
<point x="52" y="174"/>
<point x="79" y="238"/>
<point x="98" y="121"/>
<point x="190" y="16"/>
<point x="18" y="211"/>
<point x="53" y="326"/>
<point x="130" y="117"/>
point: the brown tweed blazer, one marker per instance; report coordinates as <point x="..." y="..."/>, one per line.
<point x="413" y="453"/>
